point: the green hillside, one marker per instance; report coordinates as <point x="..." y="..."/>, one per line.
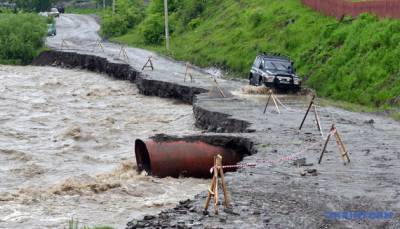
<point x="356" y="61"/>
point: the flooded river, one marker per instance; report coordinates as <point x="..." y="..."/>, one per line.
<point x="66" y="149"/>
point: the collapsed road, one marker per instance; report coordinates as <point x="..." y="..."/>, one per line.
<point x="274" y="196"/>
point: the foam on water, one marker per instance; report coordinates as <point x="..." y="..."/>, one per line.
<point x="66" y="149"/>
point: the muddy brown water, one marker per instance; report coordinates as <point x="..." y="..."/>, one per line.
<point x="66" y="149"/>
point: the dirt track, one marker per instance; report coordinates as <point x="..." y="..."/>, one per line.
<point x="277" y="196"/>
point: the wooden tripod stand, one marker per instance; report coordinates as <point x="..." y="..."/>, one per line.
<point x="213" y="190"/>
<point x="317" y="120"/>
<point x="63" y="44"/>
<point x="148" y="64"/>
<point x="187" y="73"/>
<point x="124" y="54"/>
<point x="274" y="99"/>
<point x="98" y="44"/>
<point x="342" y="148"/>
<point x="214" y="80"/>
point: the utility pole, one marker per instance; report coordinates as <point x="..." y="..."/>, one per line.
<point x="166" y="24"/>
<point x="113" y="7"/>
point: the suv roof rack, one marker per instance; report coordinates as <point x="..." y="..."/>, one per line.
<point x="275" y="56"/>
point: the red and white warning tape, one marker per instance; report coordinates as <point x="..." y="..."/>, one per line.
<point x="286" y="107"/>
<point x="287" y="158"/>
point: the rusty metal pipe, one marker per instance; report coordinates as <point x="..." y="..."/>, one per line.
<point x="181" y="158"/>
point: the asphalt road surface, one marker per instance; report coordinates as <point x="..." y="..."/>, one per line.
<point x="80" y="33"/>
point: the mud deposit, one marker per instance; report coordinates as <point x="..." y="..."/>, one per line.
<point x="66" y="149"/>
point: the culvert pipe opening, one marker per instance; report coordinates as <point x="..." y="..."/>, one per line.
<point x="142" y="157"/>
<point x="176" y="158"/>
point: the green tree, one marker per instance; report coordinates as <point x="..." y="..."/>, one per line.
<point x="34" y="5"/>
<point x="21" y="37"/>
<point x="128" y="13"/>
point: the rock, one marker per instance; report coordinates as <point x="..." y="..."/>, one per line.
<point x="135" y="224"/>
<point x="312" y="172"/>
<point x="163" y="216"/>
<point x="256" y="212"/>
<point x="184" y="202"/>
<point x="266" y="221"/>
<point x="181" y="225"/>
<point x="181" y="211"/>
<point x="222" y="220"/>
<point x="300" y="162"/>
<point x="148" y="217"/>
<point x="371" y="121"/>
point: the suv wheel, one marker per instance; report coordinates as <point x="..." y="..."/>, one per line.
<point x="259" y="81"/>
<point x="251" y="79"/>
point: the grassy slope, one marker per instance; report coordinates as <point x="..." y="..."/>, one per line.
<point x="356" y="61"/>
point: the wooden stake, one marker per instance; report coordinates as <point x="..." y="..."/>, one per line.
<point x="342" y="149"/>
<point x="274" y="99"/>
<point x="224" y="188"/>
<point x="276" y="105"/>
<point x="344" y="153"/>
<point x="210" y="193"/>
<point x="326" y="144"/>
<point x="218" y="87"/>
<point x="308" y="110"/>
<point x="146" y="65"/>
<point x="266" y="105"/>
<point x="318" y="120"/>
<point x="213" y="190"/>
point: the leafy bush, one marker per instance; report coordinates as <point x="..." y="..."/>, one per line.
<point x="114" y="25"/>
<point x="21" y="37"/>
<point x="152" y="29"/>
<point x="127" y="15"/>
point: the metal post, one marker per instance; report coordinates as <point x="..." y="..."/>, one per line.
<point x="166" y="24"/>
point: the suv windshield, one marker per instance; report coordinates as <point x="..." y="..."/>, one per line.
<point x="277" y="65"/>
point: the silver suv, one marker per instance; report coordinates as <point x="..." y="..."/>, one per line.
<point x="274" y="71"/>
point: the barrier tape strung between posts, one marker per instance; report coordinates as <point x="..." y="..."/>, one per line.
<point x="286" y="107"/>
<point x="292" y="109"/>
<point x="271" y="162"/>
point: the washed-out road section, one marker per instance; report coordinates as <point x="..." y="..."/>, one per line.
<point x="274" y="196"/>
